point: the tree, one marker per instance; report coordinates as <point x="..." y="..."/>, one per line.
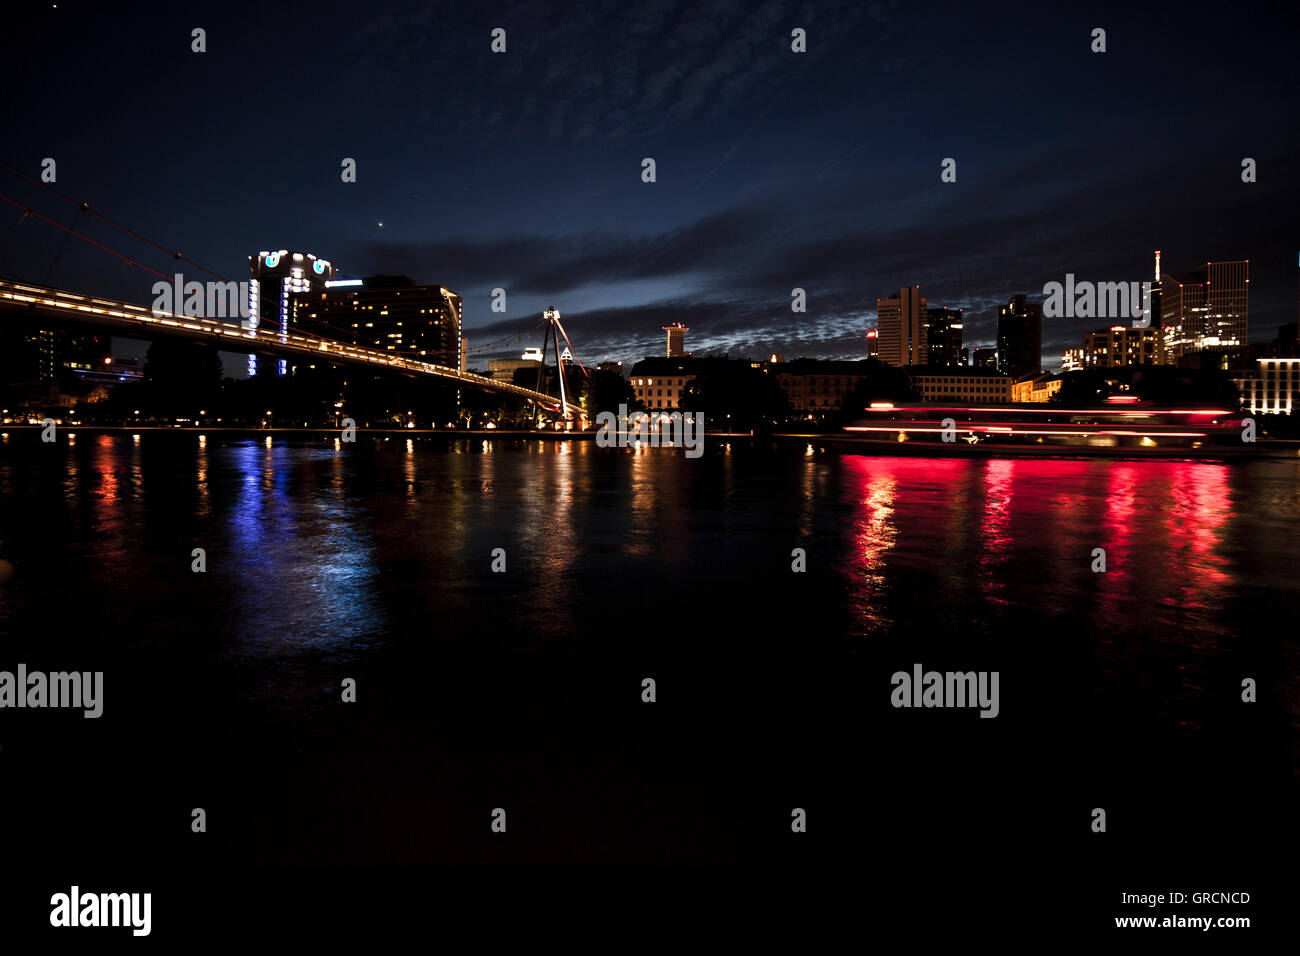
<point x="736" y="393"/>
<point x="605" y="391"/>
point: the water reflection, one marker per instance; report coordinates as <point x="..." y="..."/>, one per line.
<point x="300" y="564"/>
<point x="872" y="537"/>
<point x="1001" y="533"/>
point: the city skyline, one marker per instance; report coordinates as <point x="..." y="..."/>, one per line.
<point x="725" y="233"/>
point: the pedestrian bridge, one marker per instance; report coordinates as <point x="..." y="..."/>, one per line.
<point x="45" y="302"/>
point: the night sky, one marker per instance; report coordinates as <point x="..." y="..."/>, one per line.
<point x="774" y="169"/>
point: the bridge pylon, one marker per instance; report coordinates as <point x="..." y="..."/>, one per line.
<point x="552" y="318"/>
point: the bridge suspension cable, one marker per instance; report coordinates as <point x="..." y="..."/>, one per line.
<point x="32" y="212"/>
<point x="85" y="207"/>
<point x="549" y="318"/>
<point x="28" y="211"/>
<point x="497" y="343"/>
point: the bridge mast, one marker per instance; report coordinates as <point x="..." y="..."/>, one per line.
<point x="552" y="317"/>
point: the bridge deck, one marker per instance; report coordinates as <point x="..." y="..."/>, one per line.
<point x="40" y="300"/>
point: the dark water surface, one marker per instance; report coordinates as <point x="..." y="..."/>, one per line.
<point x="522" y="690"/>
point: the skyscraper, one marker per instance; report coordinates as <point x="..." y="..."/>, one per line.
<point x="276" y="278"/>
<point x="1154" y="303"/>
<point x="1020" y="337"/>
<point x="943" y="335"/>
<point x="901" y="322"/>
<point x="1205" y="308"/>
<point x="387" y="314"/>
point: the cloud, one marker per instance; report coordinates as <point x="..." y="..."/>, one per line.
<point x="729" y="275"/>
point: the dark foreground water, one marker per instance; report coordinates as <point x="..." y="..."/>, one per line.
<point x="522" y="690"/>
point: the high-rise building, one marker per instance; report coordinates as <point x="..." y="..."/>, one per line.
<point x="943" y="336"/>
<point x="979" y="358"/>
<point x="1154" y="303"/>
<point x="676" y="340"/>
<point x="901" y="323"/>
<point x="33" y="355"/>
<point x="1020" y="337"/>
<point x="1206" y="308"/>
<point x="387" y="314"/>
<point x="873" y="343"/>
<point x="276" y="278"/>
<point x="1116" y="346"/>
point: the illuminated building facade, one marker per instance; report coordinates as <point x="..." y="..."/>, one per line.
<point x="967" y="385"/>
<point x="1035" y="389"/>
<point x="1274" y="389"/>
<point x="901" y="328"/>
<point x="1116" y="346"/>
<point x="660" y="382"/>
<point x="676" y="340"/>
<point x="661" y="390"/>
<point x="503" y="370"/>
<point x="387" y="314"/>
<point x="1207" y="308"/>
<point x="277" y="277"/>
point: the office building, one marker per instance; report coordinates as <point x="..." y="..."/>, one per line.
<point x="661" y="382"/>
<point x="817" y="386"/>
<point x="1116" y="346"/>
<point x="979" y="358"/>
<point x="1020" y="337"/>
<point x="968" y="386"/>
<point x="386" y="314"/>
<point x="943" y="336"/>
<point x="901" y="324"/>
<point x="276" y="278"/>
<point x="1207" y="308"/>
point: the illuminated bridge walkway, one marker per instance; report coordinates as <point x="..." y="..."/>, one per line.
<point x="55" y="303"/>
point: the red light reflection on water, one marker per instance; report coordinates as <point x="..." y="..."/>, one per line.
<point x="984" y="534"/>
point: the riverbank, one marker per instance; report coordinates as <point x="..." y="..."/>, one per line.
<point x="1269" y="448"/>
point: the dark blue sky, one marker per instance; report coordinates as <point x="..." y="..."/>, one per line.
<point x="775" y="169"/>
